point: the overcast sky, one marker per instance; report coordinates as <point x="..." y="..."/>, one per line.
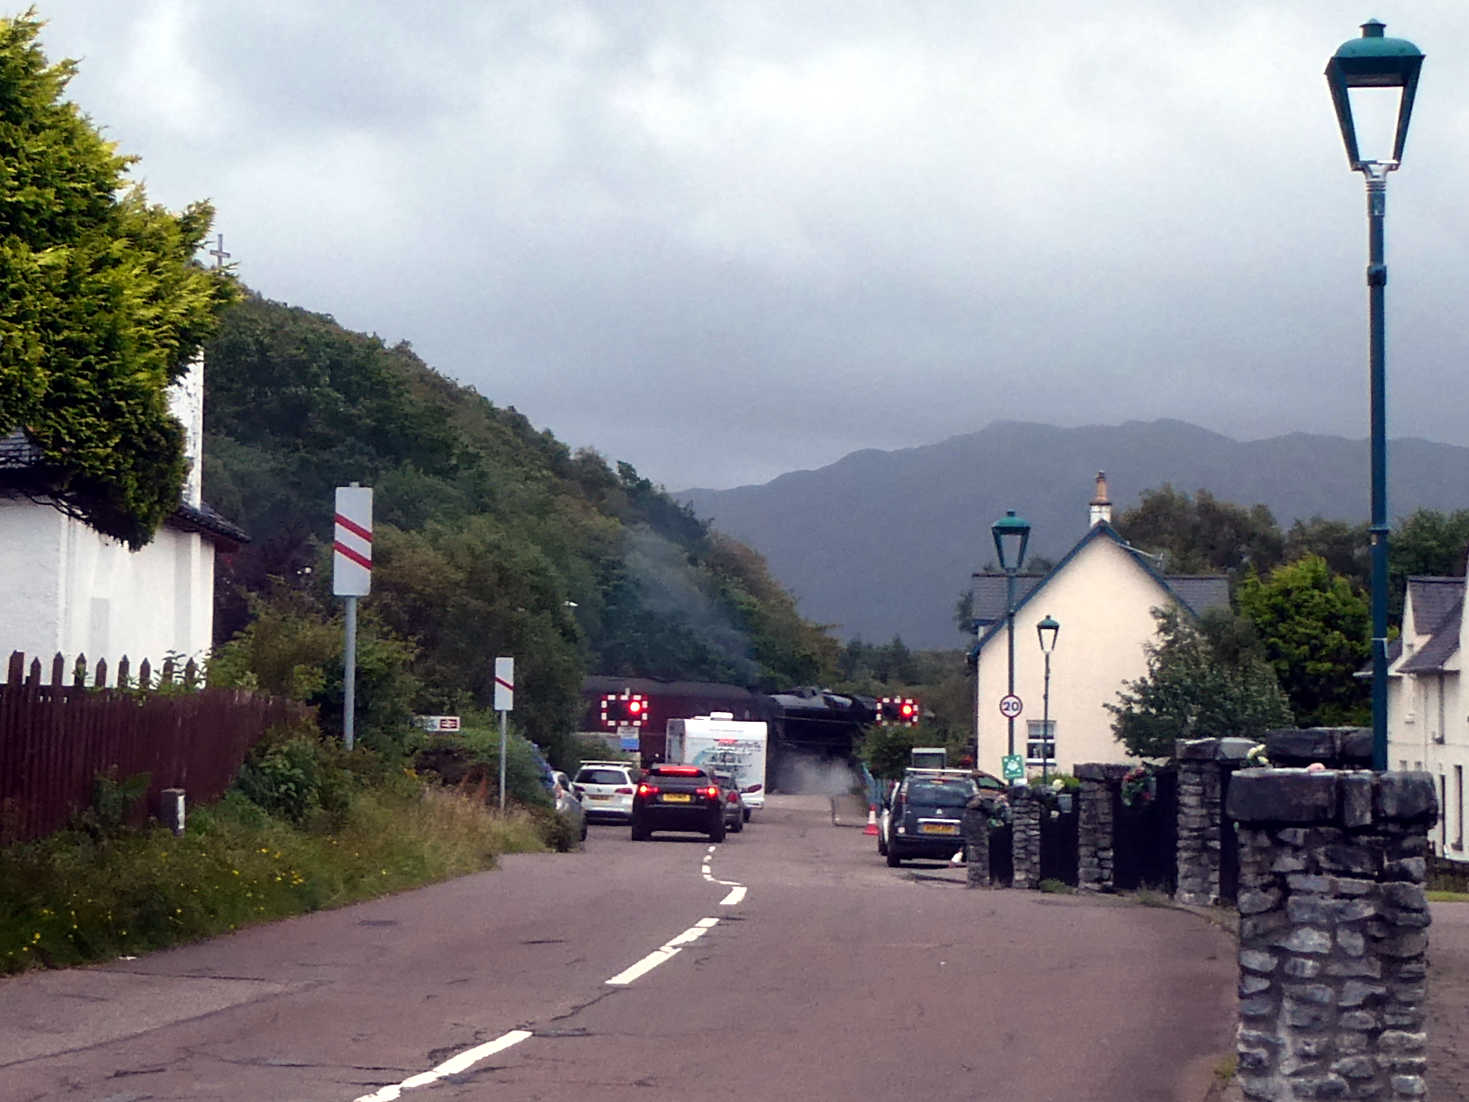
<point x="724" y="240"/>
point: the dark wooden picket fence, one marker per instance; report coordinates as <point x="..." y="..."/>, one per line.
<point x="55" y="737"/>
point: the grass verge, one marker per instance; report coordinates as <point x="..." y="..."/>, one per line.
<point x="76" y="897"/>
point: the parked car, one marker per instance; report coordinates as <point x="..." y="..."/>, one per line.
<point x="926" y="814"/>
<point x="563" y="798"/>
<point x="606" y="789"/>
<point x="736" y="814"/>
<point x="985" y="782"/>
<point x="677" y="797"/>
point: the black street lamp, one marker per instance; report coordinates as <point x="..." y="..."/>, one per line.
<point x="1376" y="78"/>
<point x="1046" y="631"/>
<point x="1011" y="534"/>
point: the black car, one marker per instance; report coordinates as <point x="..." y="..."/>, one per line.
<point x="927" y="815"/>
<point x="677" y="797"/>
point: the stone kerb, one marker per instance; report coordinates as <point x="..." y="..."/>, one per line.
<point x="1333" y="932"/>
<point x="1095" y="836"/>
<point x="1202" y="766"/>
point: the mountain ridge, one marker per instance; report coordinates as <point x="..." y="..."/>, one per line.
<point x="881" y="543"/>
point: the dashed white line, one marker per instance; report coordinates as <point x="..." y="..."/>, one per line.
<point x="665" y="952"/>
<point x="736" y="894"/>
<point x="452" y="1066"/>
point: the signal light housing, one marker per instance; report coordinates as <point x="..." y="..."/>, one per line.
<point x="625" y="709"/>
<point x="903" y="710"/>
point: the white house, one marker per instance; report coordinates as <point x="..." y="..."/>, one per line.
<point x="76" y="591"/>
<point x="1102" y="593"/>
<point x="1427" y="724"/>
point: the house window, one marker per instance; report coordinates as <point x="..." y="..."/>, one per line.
<point x="1459" y="799"/>
<point x="1040" y="742"/>
<point x="1443" y="819"/>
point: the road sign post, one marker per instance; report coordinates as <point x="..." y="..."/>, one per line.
<point x="351" y="578"/>
<point x="1012" y="768"/>
<point x="504" y="704"/>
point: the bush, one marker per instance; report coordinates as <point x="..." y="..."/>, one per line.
<point x="113" y="804"/>
<point x="298" y="777"/>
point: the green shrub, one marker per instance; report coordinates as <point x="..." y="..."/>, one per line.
<point x="113" y="803"/>
<point x="298" y="777"/>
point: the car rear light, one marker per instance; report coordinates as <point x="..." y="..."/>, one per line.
<point x="624" y="791"/>
<point x="680" y="770"/>
<point x="734" y="797"/>
<point x="647" y="790"/>
<point x="755" y="788"/>
<point x="712" y="792"/>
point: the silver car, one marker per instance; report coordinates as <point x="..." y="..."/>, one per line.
<point x="563" y="798"/>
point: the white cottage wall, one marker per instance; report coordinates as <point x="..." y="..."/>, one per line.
<point x="1103" y="600"/>
<point x="82" y="593"/>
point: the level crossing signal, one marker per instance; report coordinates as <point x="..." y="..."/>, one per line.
<point x="902" y="710"/>
<point x="624" y="710"/>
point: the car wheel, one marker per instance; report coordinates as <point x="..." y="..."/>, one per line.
<point x="746" y="815"/>
<point x="717" y="833"/>
<point x="738" y="825"/>
<point x="882" y="847"/>
<point x="639" y="833"/>
<point x="893" y="859"/>
<point x="583" y="830"/>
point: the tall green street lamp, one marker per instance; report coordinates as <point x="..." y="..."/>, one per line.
<point x="1374" y="79"/>
<point x="1011" y="534"/>
<point x="1046" y="631"/>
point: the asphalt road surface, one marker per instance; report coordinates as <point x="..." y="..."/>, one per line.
<point x="787" y="962"/>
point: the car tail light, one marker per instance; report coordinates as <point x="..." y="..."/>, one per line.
<point x="734" y="797"/>
<point x="647" y="790"/>
<point x="712" y="792"/>
<point x="755" y="788"/>
<point x="680" y="770"/>
<point x="624" y="791"/>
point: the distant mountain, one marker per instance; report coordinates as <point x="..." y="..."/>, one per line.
<point x="882" y="543"/>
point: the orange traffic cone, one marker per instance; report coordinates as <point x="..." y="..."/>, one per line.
<point x="871" y="827"/>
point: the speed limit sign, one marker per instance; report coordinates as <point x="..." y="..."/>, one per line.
<point x="1010" y="706"/>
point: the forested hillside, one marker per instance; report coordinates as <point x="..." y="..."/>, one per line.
<point x="490" y="538"/>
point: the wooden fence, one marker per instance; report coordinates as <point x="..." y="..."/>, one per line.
<point x="56" y="737"/>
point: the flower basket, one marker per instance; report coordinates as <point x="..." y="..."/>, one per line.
<point x="1139" y="787"/>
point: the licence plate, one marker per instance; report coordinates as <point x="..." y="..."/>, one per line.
<point x="597" y="796"/>
<point x="677" y="798"/>
<point x="938" y="828"/>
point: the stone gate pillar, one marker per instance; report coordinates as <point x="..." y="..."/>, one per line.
<point x="1027" y="807"/>
<point x="977" y="842"/>
<point x="1202" y="765"/>
<point x="1094" y="830"/>
<point x="1333" y="932"/>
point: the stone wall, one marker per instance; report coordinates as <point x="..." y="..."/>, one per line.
<point x="1333" y="932"/>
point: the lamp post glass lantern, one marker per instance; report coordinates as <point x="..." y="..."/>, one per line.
<point x="1374" y="80"/>
<point x="1011" y="534"/>
<point x="1046" y="631"/>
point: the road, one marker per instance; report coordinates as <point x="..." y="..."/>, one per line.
<point x="830" y="976"/>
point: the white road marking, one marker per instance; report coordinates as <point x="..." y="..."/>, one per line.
<point x="665" y="952"/>
<point x="736" y="894"/>
<point x="452" y="1066"/>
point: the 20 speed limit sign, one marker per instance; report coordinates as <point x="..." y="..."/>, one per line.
<point x="1010" y="706"/>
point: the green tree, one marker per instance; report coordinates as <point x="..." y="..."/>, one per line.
<point x="102" y="308"/>
<point x="1206" y="678"/>
<point x="1201" y="533"/>
<point x="1344" y="547"/>
<point x="1314" y="626"/>
<point x="1426" y="543"/>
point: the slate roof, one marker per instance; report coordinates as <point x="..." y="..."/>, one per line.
<point x="23" y="467"/>
<point x="1199" y="593"/>
<point x="1438" y="610"/>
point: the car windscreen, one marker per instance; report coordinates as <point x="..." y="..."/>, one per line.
<point x="601" y="776"/>
<point x="938" y="794"/>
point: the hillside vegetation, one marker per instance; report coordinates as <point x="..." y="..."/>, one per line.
<point x="490" y="538"/>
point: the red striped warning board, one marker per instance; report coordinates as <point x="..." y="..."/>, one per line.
<point x="352" y="542"/>
<point x="504" y="684"/>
